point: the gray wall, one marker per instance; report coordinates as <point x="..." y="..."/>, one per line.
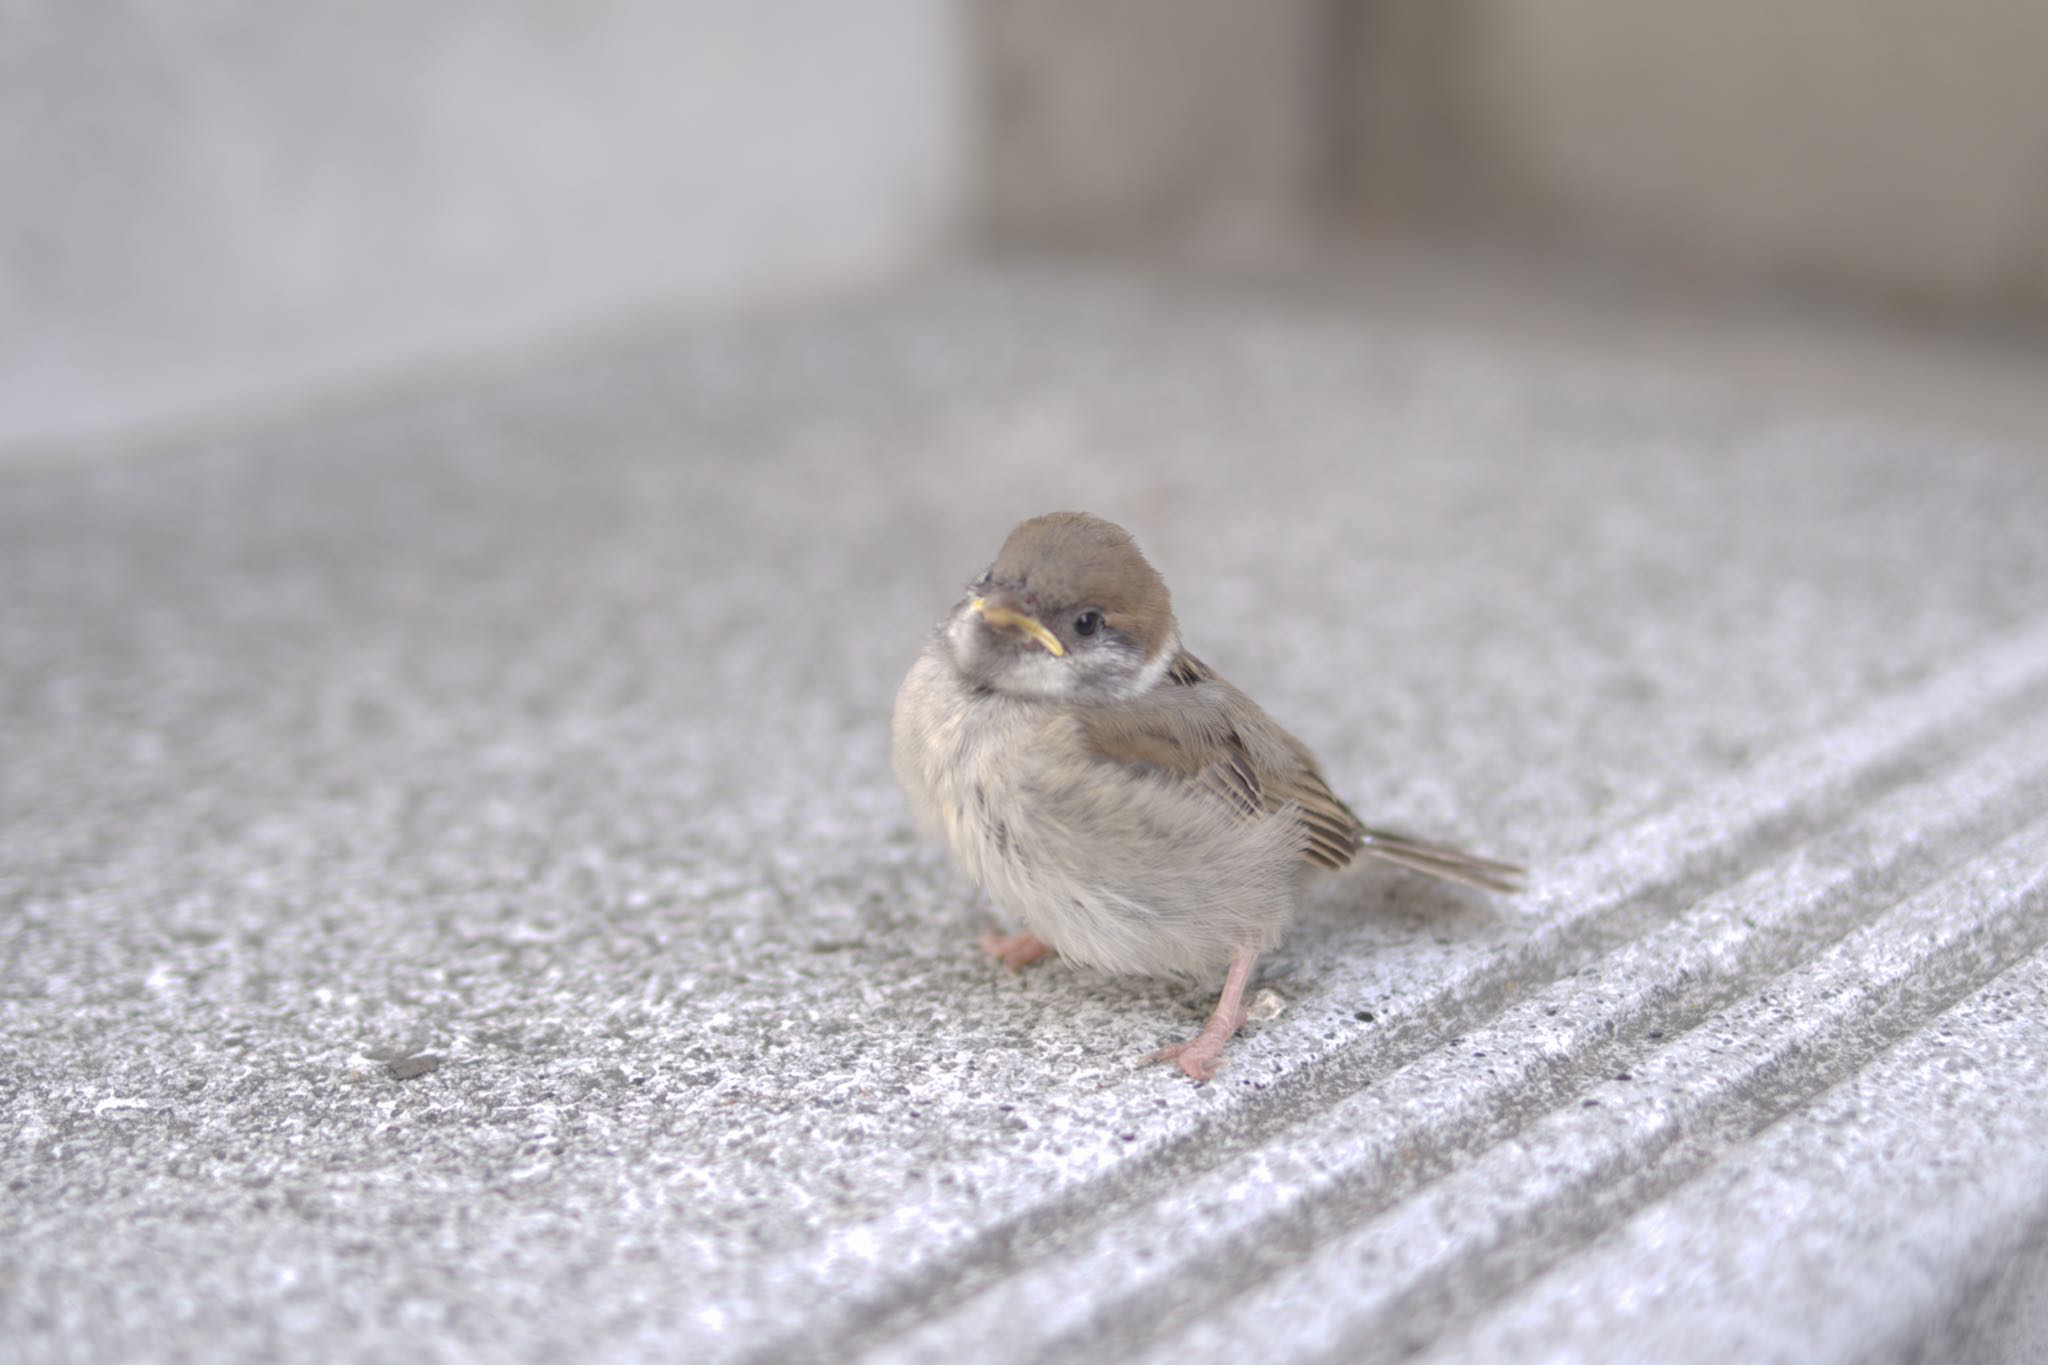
<point x="1888" y="148"/>
<point x="213" y="205"/>
<point x="1118" y="119"/>
<point x="1878" y="148"/>
<point x="206" y="204"/>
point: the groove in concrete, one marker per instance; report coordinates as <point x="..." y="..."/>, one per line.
<point x="1601" y="900"/>
<point x="1936" y="1179"/>
<point x="1189" y="1248"/>
<point x="1390" y="1286"/>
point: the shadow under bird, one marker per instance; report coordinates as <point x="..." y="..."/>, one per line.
<point x="1137" y="812"/>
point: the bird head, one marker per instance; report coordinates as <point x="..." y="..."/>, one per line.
<point x="1069" y="610"/>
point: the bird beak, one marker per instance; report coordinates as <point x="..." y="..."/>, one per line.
<point x="1002" y="617"/>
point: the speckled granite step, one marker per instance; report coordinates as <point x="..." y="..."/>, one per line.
<point x="455" y="903"/>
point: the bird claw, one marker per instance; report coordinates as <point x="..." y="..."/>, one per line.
<point x="1015" y="951"/>
<point x="1199" y="1057"/>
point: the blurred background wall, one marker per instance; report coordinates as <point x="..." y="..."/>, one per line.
<point x="1881" y="148"/>
<point x="1139" y="120"/>
<point x="216" y="204"/>
<point x="206" y="204"/>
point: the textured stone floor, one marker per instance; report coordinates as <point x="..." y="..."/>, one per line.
<point x="453" y="903"/>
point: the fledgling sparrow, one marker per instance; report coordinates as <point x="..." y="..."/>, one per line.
<point x="1137" y="811"/>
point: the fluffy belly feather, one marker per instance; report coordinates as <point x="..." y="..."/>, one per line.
<point x="1129" y="874"/>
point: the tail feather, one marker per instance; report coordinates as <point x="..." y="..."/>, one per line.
<point x="1439" y="860"/>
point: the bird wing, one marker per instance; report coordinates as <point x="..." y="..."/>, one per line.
<point x="1198" y="729"/>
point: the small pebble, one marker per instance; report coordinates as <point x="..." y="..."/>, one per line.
<point x="1266" y="1005"/>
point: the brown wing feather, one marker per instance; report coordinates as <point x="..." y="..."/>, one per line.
<point x="1200" y="729"/>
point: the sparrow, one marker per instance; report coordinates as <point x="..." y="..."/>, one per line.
<point x="1136" y="811"/>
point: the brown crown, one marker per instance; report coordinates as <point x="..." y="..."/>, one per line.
<point x="1070" y="561"/>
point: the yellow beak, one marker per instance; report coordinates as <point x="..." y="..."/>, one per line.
<point x="1002" y="616"/>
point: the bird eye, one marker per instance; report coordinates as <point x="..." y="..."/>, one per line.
<point x="1088" y="622"/>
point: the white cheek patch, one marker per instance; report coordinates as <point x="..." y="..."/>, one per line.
<point x="1155" y="670"/>
<point x="1095" y="674"/>
<point x="960" y="635"/>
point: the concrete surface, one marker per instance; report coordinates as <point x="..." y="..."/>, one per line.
<point x="209" y="205"/>
<point x="455" y="904"/>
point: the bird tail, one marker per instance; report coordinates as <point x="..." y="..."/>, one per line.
<point x="1438" y="860"/>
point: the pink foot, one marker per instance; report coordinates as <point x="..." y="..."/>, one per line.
<point x="1201" y="1056"/>
<point x="1015" y="951"/>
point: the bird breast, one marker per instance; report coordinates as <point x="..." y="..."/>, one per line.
<point x="1115" y="865"/>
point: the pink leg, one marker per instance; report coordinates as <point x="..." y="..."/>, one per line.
<point x="1015" y="951"/>
<point x="1199" y="1055"/>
